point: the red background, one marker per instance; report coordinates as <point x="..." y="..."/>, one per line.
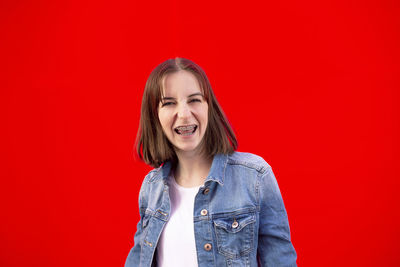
<point x="312" y="86"/>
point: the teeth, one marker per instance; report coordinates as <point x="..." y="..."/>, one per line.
<point x="186" y="130"/>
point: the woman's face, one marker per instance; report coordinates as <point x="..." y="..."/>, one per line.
<point x="183" y="111"/>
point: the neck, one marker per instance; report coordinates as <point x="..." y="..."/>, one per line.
<point x="192" y="169"/>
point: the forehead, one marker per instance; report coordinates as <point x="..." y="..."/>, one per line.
<point x="180" y="83"/>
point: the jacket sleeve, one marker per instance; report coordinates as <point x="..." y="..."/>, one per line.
<point x="133" y="258"/>
<point x="274" y="245"/>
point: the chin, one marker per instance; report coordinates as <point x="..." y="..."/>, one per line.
<point x="192" y="148"/>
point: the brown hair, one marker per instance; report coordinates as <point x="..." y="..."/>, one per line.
<point x="151" y="143"/>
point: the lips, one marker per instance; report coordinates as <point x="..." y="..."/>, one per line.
<point x="186" y="130"/>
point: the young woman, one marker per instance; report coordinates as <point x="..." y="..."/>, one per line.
<point x="204" y="204"/>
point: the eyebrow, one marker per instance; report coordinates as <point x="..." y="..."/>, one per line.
<point x="195" y="94"/>
<point x="192" y="95"/>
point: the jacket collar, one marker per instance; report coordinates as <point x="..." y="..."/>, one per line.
<point x="217" y="171"/>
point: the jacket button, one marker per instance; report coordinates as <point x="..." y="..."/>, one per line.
<point x="206" y="191"/>
<point x="207" y="247"/>
<point x="203" y="212"/>
<point x="235" y="224"/>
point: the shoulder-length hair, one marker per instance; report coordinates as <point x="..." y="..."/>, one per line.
<point x="151" y="143"/>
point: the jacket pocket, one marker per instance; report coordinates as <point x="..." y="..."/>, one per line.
<point x="235" y="234"/>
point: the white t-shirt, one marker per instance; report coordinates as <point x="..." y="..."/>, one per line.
<point x="176" y="247"/>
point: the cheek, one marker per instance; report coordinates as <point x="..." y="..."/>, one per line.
<point x="205" y="114"/>
<point x="164" y="120"/>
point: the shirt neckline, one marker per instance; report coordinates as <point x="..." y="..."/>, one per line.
<point x="182" y="188"/>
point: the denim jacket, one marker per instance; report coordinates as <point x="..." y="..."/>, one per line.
<point x="239" y="216"/>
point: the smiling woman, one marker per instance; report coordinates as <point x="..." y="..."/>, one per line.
<point x="204" y="204"/>
<point x="180" y="85"/>
<point x="183" y="112"/>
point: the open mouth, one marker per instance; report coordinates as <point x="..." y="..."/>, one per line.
<point x="186" y="130"/>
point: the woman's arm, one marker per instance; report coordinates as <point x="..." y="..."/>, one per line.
<point x="274" y="245"/>
<point x="133" y="258"/>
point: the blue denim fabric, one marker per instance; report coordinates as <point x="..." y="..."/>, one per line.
<point x="246" y="222"/>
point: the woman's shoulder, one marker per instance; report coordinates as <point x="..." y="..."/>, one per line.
<point x="248" y="160"/>
<point x="153" y="184"/>
<point x="156" y="174"/>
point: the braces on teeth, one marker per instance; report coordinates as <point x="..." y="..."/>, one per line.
<point x="186" y="130"/>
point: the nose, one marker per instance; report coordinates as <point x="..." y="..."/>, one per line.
<point x="183" y="111"/>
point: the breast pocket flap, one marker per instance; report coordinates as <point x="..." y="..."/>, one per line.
<point x="234" y="224"/>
